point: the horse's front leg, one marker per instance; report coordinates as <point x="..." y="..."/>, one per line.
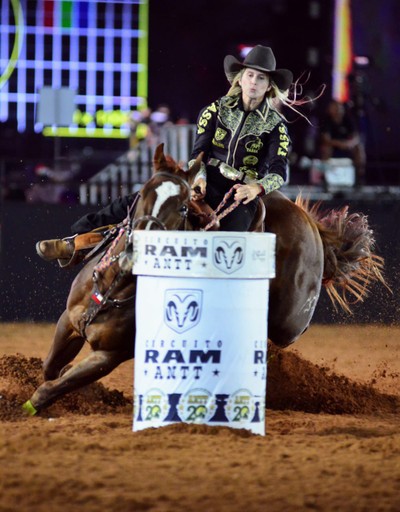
<point x="67" y="344"/>
<point x="95" y="366"/>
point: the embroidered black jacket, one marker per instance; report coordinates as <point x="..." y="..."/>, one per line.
<point x="255" y="142"/>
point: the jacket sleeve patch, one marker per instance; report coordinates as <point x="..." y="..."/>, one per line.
<point x="284" y="141"/>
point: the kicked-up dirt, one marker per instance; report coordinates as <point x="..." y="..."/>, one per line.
<point x="332" y="436"/>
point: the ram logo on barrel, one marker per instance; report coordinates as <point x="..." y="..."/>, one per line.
<point x="182" y="309"/>
<point x="228" y="255"/>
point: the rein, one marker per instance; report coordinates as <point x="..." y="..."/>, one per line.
<point x="216" y="216"/>
<point x="149" y="218"/>
<point x="100" y="300"/>
<point x="108" y="259"/>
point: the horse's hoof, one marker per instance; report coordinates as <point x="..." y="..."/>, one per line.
<point x="29" y="408"/>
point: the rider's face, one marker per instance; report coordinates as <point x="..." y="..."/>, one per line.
<point x="254" y="84"/>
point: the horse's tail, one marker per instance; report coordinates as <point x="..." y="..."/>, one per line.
<point x="350" y="264"/>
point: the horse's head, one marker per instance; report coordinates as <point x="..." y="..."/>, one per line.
<point x="164" y="199"/>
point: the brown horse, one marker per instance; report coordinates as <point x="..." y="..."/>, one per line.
<point x="313" y="249"/>
<point x="334" y="250"/>
<point x="100" y="306"/>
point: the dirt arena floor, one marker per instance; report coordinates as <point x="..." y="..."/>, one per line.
<point x="332" y="441"/>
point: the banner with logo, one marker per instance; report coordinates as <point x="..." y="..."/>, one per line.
<point x="219" y="254"/>
<point x="201" y="342"/>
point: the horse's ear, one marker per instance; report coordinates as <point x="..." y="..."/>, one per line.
<point x="159" y="159"/>
<point x="195" y="167"/>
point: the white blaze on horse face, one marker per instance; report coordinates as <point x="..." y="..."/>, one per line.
<point x="164" y="191"/>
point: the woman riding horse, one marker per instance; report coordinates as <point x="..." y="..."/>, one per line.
<point x="244" y="139"/>
<point x="335" y="250"/>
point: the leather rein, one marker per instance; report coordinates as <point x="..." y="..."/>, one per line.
<point x="99" y="301"/>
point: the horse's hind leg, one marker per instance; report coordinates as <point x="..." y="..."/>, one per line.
<point x="67" y="344"/>
<point x="95" y="366"/>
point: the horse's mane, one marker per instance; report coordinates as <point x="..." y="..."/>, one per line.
<point x="350" y="266"/>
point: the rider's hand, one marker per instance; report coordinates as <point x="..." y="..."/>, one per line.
<point x="247" y="193"/>
<point x="198" y="189"/>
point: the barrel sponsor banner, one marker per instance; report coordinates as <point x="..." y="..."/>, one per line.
<point x="201" y="342"/>
<point x="221" y="254"/>
<point x="201" y="352"/>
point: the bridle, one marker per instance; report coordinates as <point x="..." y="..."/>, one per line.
<point x="148" y="218"/>
<point x="127" y="227"/>
<point x="185" y="208"/>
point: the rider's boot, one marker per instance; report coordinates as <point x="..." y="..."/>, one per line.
<point x="56" y="249"/>
<point x="71" y="250"/>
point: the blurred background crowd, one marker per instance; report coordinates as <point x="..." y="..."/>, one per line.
<point x="158" y="66"/>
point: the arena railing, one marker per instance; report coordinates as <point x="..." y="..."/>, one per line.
<point x="129" y="171"/>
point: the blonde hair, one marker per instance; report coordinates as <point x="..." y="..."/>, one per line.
<point x="275" y="97"/>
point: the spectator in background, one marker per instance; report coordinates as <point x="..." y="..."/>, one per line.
<point x="139" y="123"/>
<point x="146" y="125"/>
<point x="160" y="118"/>
<point x="53" y="185"/>
<point x="340" y="138"/>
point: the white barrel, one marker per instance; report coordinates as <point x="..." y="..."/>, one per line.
<point x="201" y="328"/>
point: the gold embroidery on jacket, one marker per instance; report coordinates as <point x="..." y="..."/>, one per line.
<point x="256" y="122"/>
<point x="283" y="141"/>
<point x="220" y="134"/>
<point x="254" y="146"/>
<point x="218" y="144"/>
<point x="205" y="118"/>
<point x="230" y="117"/>
<point x="250" y="160"/>
<point x="257" y="125"/>
<point x="271" y="182"/>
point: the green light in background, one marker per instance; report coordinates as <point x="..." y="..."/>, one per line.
<point x="143" y="56"/>
<point x="94" y="133"/>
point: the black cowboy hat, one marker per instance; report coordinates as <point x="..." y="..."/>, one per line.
<point x="263" y="59"/>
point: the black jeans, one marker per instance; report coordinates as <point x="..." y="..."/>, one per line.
<point x="114" y="213"/>
<point x="241" y="217"/>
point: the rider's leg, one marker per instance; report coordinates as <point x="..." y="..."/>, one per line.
<point x="65" y="248"/>
<point x="87" y="229"/>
